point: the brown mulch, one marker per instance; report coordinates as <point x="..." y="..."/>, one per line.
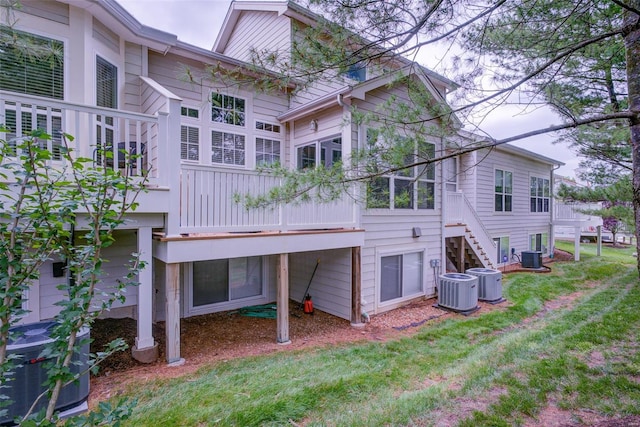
<point x="220" y="337"/>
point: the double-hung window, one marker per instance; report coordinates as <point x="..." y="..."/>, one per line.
<point x="268" y="144"/>
<point x="539" y="242"/>
<point x="401" y="276"/>
<point x="106" y="96"/>
<point x="189" y="134"/>
<point x="540" y="193"/>
<point x="503" y="191"/>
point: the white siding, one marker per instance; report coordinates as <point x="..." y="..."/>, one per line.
<point x="521" y="222"/>
<point x="54" y="11"/>
<point x="259" y="31"/>
<point x="115" y="267"/>
<point x="331" y="286"/>
<point x="132" y="72"/>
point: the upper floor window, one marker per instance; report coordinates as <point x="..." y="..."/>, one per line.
<point x="540" y="193"/>
<point x="267" y="152"/>
<point x="227" y="109"/>
<point x="410" y="188"/>
<point x="191" y="113"/>
<point x="357" y="72"/>
<point x="329" y="150"/>
<point x="227" y="148"/>
<point x="267" y="127"/>
<point x="23" y="71"/>
<point x="106" y="84"/>
<point x="503" y="191"/>
<point x="189" y="143"/>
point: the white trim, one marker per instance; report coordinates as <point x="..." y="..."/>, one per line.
<point x="248" y="163"/>
<point x="192" y="124"/>
<point x="191" y="310"/>
<point x="493" y="191"/>
<point x="391" y="251"/>
<point x="499" y="246"/>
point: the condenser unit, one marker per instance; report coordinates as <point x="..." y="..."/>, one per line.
<point x="489" y="283"/>
<point x="458" y="292"/>
<point x="531" y="259"/>
<point x="26" y="345"/>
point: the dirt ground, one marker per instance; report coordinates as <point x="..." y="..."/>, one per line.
<point x="227" y="335"/>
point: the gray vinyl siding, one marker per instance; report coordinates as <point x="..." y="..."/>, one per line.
<point x="519" y="223"/>
<point x="47" y="9"/>
<point x="257" y="30"/>
<point x="106" y="36"/>
<point x="331" y="286"/>
<point x="132" y="72"/>
<point x="114" y="268"/>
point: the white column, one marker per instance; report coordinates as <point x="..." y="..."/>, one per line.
<point x="172" y="323"/>
<point x="145" y="291"/>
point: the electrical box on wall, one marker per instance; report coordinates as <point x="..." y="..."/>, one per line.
<point x="434" y="263"/>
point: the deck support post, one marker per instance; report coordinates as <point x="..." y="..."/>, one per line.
<point x="145" y="349"/>
<point x="576" y="243"/>
<point x="356" y="287"/>
<point x="282" y="300"/>
<point x="172" y="326"/>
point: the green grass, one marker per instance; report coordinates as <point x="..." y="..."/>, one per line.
<point x="494" y="369"/>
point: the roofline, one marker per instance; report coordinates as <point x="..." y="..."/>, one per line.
<point x="527" y="153"/>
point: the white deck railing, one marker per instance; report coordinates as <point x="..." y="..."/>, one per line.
<point x="91" y="127"/>
<point x="455" y="207"/>
<point x="460" y="211"/>
<point x="209" y="203"/>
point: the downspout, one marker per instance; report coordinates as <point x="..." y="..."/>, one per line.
<point x="339" y="100"/>
<point x="443" y="210"/>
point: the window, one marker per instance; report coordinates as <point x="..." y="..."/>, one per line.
<point x="540" y="192"/>
<point x="357" y="72"/>
<point x="538" y="242"/>
<point x="40" y="76"/>
<point x="106" y="84"/>
<point x="227" y="109"/>
<point x="189" y="112"/>
<point x="189" y="143"/>
<point x="451" y="174"/>
<point x="267" y="127"/>
<point x="227" y="148"/>
<point x="502" y="244"/>
<point x="267" y="152"/>
<point x="330" y="153"/>
<point x="503" y="191"/>
<point x="225" y="280"/>
<point x="411" y="188"/>
<point x="400" y="276"/>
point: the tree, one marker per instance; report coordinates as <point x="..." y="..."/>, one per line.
<point x="38" y="209"/>
<point x="581" y="57"/>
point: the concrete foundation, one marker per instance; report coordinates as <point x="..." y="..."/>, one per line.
<point x="146" y="355"/>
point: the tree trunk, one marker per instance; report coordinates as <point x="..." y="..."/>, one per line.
<point x="632" y="47"/>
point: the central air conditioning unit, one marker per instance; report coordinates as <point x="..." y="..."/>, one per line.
<point x="531" y="259"/>
<point x="458" y="292"/>
<point x="489" y="283"/>
<point x="25" y="344"/>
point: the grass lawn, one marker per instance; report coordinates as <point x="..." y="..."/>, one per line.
<point x="567" y="339"/>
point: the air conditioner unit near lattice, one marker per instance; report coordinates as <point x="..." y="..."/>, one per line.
<point x="489" y="283"/>
<point x="458" y="291"/>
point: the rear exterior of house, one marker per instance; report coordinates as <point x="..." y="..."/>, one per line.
<point x="120" y="83"/>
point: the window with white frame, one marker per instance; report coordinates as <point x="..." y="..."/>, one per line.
<point x="410" y="188"/>
<point x="267" y="127"/>
<point x="106" y="84"/>
<point x="226" y="280"/>
<point x="540" y="193"/>
<point x="451" y="173"/>
<point x="227" y="109"/>
<point x="401" y="276"/>
<point x="539" y="242"/>
<point x="267" y="152"/>
<point x="357" y="72"/>
<point x="23" y="73"/>
<point x="189" y="143"/>
<point x="190" y="112"/>
<point x="502" y="244"/>
<point x="326" y="152"/>
<point x="503" y="191"/>
<point x="227" y="148"/>
<point x="32" y="119"/>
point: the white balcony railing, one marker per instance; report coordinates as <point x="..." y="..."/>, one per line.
<point x="208" y="203"/>
<point x="92" y="128"/>
<point x="455" y="207"/>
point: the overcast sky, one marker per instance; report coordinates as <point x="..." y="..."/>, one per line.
<point x="198" y="22"/>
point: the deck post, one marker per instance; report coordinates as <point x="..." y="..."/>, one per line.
<point x="282" y="298"/>
<point x="145" y="349"/>
<point x="172" y="324"/>
<point x="576" y="243"/>
<point x="356" y="287"/>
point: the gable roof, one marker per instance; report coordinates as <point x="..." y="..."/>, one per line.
<point x="298" y="13"/>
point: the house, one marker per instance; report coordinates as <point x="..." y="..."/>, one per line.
<point x="119" y="83"/>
